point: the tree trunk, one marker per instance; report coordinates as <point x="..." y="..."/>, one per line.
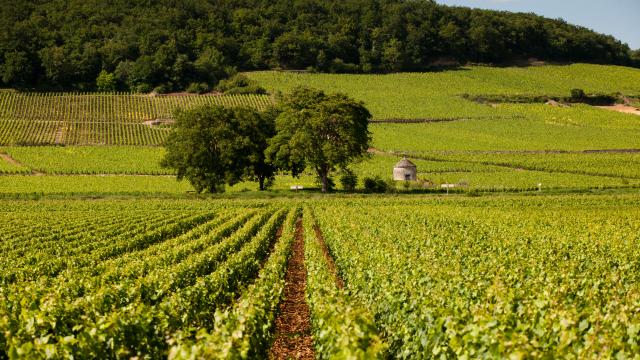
<point x="261" y="180"/>
<point x="325" y="181"/>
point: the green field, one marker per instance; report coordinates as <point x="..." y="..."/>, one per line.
<point x="552" y="278"/>
<point x="623" y="165"/>
<point x="437" y="95"/>
<point x="541" y="277"/>
<point x="7" y="167"/>
<point x="538" y="127"/>
<point x="90" y="159"/>
<point x="16" y="185"/>
<point x="470" y="134"/>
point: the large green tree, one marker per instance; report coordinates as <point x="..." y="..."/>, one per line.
<point x="255" y="130"/>
<point x="322" y="131"/>
<point x="213" y="146"/>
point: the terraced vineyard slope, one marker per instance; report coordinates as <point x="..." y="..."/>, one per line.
<point x="98" y="119"/>
<point x="438" y="95"/>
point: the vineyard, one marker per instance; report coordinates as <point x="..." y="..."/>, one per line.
<point x="533" y="127"/>
<point x="98" y="119"/>
<point x="549" y="278"/>
<point x="22" y="185"/>
<point x="438" y="95"/>
<point x="7" y="167"/>
<point x="612" y="164"/>
<point x="89" y="160"/>
<point x="136" y="170"/>
<point x="385" y="278"/>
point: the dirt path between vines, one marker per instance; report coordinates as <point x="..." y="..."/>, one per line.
<point x="293" y="325"/>
<point x="60" y="134"/>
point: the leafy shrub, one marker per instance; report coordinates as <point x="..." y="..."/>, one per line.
<point x="577" y="94"/>
<point x="161" y="89"/>
<point x="143" y="88"/>
<point x="375" y="185"/>
<point x="106" y="81"/>
<point x="198" y="88"/>
<point x="339" y="66"/>
<point x="349" y="180"/>
<point x="240" y="84"/>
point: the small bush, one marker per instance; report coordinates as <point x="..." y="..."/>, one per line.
<point x="474" y="193"/>
<point x="578" y="94"/>
<point x="198" y="88"/>
<point x="391" y="186"/>
<point x="106" y="81"/>
<point x="349" y="180"/>
<point x="375" y="185"/>
<point x="339" y="66"/>
<point x="161" y="89"/>
<point x="240" y="84"/>
<point x="143" y="88"/>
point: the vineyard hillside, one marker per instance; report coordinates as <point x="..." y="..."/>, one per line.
<point x="439" y="95"/>
<point x="99" y="119"/>
<point x="431" y="117"/>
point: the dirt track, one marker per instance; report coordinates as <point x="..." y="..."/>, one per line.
<point x="10" y="160"/>
<point x="622" y="109"/>
<point x="293" y="324"/>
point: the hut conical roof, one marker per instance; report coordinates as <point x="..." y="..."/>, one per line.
<point x="404" y="163"/>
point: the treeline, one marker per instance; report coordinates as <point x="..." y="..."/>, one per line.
<point x="168" y="45"/>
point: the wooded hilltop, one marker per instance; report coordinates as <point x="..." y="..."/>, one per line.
<point x="169" y="45"/>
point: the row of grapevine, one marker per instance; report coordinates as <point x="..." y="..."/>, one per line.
<point x="28" y="186"/>
<point x="105" y="133"/>
<point x="26" y="133"/>
<point x="7" y="167"/>
<point x="342" y="328"/>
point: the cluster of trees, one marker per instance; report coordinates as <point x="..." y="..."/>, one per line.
<point x="213" y="146"/>
<point x="168" y="45"/>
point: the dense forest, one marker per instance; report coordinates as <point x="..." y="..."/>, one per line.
<point x="167" y="45"/>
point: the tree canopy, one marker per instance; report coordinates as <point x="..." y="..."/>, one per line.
<point x="321" y="131"/>
<point x="213" y="146"/>
<point x="169" y="45"/>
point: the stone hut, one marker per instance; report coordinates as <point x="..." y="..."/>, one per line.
<point x="405" y="170"/>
